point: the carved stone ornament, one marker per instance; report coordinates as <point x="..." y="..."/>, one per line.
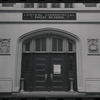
<point x="93" y="45"/>
<point x="5" y="46"/>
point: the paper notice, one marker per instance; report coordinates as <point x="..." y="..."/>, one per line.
<point x="57" y="69"/>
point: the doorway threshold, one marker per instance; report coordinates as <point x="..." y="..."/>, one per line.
<point x="49" y="94"/>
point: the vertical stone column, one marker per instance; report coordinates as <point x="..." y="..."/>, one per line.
<point x="98" y="5"/>
<point x="22" y="85"/>
<point x="35" y="5"/>
<point x="74" y="5"/>
<point x="22" y="5"/>
<point x="79" y="5"/>
<point x="17" y="5"/>
<point x="48" y="5"/>
<point x="62" y="5"/>
<point x="0" y="5"/>
<point x="71" y="85"/>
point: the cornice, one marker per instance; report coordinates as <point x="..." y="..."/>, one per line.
<point x="49" y="22"/>
<point x="89" y="10"/>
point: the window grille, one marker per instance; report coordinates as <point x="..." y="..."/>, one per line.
<point x="29" y="5"/>
<point x="70" y="46"/>
<point x="90" y="4"/>
<point x="42" y="5"/>
<point x="27" y="46"/>
<point x="55" y="5"/>
<point x="8" y="4"/>
<point x="57" y="44"/>
<point x="53" y="43"/>
<point x="41" y="44"/>
<point x="68" y="5"/>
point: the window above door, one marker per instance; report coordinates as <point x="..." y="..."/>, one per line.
<point x="48" y="43"/>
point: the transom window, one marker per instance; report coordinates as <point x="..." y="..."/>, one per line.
<point x="8" y="4"/>
<point x="57" y="44"/>
<point x="40" y="44"/>
<point x="68" y="5"/>
<point x="55" y="5"/>
<point x="90" y="4"/>
<point x="42" y="5"/>
<point x="49" y="43"/>
<point x="29" y="5"/>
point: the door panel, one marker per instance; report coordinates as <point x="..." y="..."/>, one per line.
<point x="59" y="75"/>
<point x="48" y="71"/>
<point x="27" y="71"/>
<point x="72" y="69"/>
<point x="40" y="71"/>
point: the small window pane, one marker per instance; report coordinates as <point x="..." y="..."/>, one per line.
<point x="55" y="5"/>
<point x="90" y="4"/>
<point x="60" y="46"/>
<point x="27" y="46"/>
<point x="68" y="5"/>
<point x="43" y="44"/>
<point x="8" y="4"/>
<point x="54" y="44"/>
<point x="70" y="46"/>
<point x="42" y="5"/>
<point x="37" y="44"/>
<point x="71" y="63"/>
<point x="29" y="5"/>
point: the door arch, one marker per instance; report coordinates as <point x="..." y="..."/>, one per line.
<point x="42" y="32"/>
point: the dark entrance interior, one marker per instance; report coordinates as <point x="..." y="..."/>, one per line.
<point x="48" y="63"/>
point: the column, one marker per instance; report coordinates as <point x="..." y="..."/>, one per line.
<point x="0" y="5"/>
<point x="98" y="5"/>
<point x="22" y="84"/>
<point x="71" y="85"/>
<point x="17" y="5"/>
<point x="22" y="5"/>
<point x="79" y="5"/>
<point x="62" y="5"/>
<point x="35" y="5"/>
<point x="48" y="5"/>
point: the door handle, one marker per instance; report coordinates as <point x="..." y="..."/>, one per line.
<point x="51" y="75"/>
<point x="45" y="77"/>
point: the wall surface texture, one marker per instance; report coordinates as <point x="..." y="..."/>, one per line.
<point x="86" y="26"/>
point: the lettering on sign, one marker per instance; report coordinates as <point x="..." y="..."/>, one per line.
<point x="49" y="16"/>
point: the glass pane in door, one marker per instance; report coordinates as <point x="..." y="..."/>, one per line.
<point x="43" y="44"/>
<point x="60" y="44"/>
<point x="37" y="44"/>
<point x="54" y="44"/>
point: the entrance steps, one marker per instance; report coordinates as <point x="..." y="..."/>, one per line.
<point x="40" y="95"/>
<point x="50" y="94"/>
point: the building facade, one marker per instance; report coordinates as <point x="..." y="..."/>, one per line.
<point x="50" y="47"/>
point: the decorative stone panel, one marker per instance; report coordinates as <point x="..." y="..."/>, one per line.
<point x="93" y="46"/>
<point x="92" y="85"/>
<point x="4" y="46"/>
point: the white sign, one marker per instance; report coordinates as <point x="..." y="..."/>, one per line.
<point x="57" y="69"/>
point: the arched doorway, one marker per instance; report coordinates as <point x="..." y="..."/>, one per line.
<point x="49" y="61"/>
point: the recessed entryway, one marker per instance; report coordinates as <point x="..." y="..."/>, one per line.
<point x="49" y="62"/>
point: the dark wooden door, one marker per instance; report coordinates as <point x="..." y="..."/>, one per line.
<point x="72" y="71"/>
<point x="50" y="72"/>
<point x="47" y="71"/>
<point x="40" y="72"/>
<point x="27" y="71"/>
<point x="59" y="72"/>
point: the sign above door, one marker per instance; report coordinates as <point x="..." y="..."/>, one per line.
<point x="49" y="16"/>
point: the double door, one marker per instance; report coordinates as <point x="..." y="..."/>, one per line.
<point x="48" y="71"/>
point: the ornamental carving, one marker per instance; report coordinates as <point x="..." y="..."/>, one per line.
<point x="93" y="45"/>
<point x="4" y="46"/>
